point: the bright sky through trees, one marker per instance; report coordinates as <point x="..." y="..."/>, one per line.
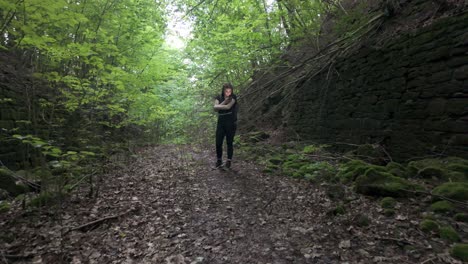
<point x="179" y="28"/>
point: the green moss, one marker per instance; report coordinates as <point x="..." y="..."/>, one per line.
<point x="378" y="183"/>
<point x="428" y="225"/>
<point x="276" y="160"/>
<point x="442" y="207"/>
<point x="388" y="203"/>
<point x="362" y="220"/>
<point x="397" y="169"/>
<point x="448" y="233"/>
<point x="460" y="251"/>
<point x="4" y="207"/>
<point x="318" y="170"/>
<point x="349" y="171"/>
<point x="339" y="210"/>
<point x="453" y="190"/>
<point x="293" y="164"/>
<point x="461" y="217"/>
<point x="450" y="168"/>
<point x="311" y="149"/>
<point x="389" y="212"/>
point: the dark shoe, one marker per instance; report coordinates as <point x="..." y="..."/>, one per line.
<point x="219" y="163"/>
<point x="228" y="164"/>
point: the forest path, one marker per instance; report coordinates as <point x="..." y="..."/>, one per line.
<point x="177" y="209"/>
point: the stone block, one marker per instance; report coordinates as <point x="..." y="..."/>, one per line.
<point x="461" y="73"/>
<point x="418" y="82"/>
<point x="458" y="61"/>
<point x="369" y="100"/>
<point x="442" y="76"/>
<point x="447" y="125"/>
<point x="439" y="54"/>
<point x="436" y="106"/>
<point x="459" y="140"/>
<point x="457" y="106"/>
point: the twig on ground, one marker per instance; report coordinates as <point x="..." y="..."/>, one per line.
<point x="98" y="221"/>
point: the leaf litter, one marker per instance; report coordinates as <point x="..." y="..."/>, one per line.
<point x="167" y="208"/>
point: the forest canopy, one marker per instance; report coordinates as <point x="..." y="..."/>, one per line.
<point x="110" y="59"/>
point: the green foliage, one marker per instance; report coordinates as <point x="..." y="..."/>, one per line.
<point x="388" y="203"/>
<point x="460" y="251"/>
<point x="453" y="190"/>
<point x="442" y="207"/>
<point x="448" y="233"/>
<point x="428" y="225"/>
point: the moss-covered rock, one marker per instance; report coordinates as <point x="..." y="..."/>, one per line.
<point x="4" y="206"/>
<point x="442" y="207"/>
<point x="449" y="169"/>
<point x="388" y="203"/>
<point x="389" y="212"/>
<point x="454" y="190"/>
<point x="377" y="183"/>
<point x="460" y="251"/>
<point x="7" y="183"/>
<point x="310" y="149"/>
<point x="448" y="233"/>
<point x="431" y="173"/>
<point x="397" y="169"/>
<point x="349" y="171"/>
<point x="461" y="217"/>
<point x="318" y="170"/>
<point x="428" y="225"/>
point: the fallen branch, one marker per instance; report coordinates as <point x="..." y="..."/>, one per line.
<point x="99" y="221"/>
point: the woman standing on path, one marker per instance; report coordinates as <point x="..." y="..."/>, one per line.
<point x="226" y="106"/>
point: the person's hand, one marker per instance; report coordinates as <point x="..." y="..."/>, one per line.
<point x="227" y="100"/>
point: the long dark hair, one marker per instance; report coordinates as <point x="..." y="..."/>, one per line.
<point x="226" y="86"/>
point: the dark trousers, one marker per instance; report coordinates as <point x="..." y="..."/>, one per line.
<point x="226" y="127"/>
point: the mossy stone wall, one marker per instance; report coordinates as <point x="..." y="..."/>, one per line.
<point x="410" y="95"/>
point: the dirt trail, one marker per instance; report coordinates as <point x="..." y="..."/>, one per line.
<point x="183" y="211"/>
